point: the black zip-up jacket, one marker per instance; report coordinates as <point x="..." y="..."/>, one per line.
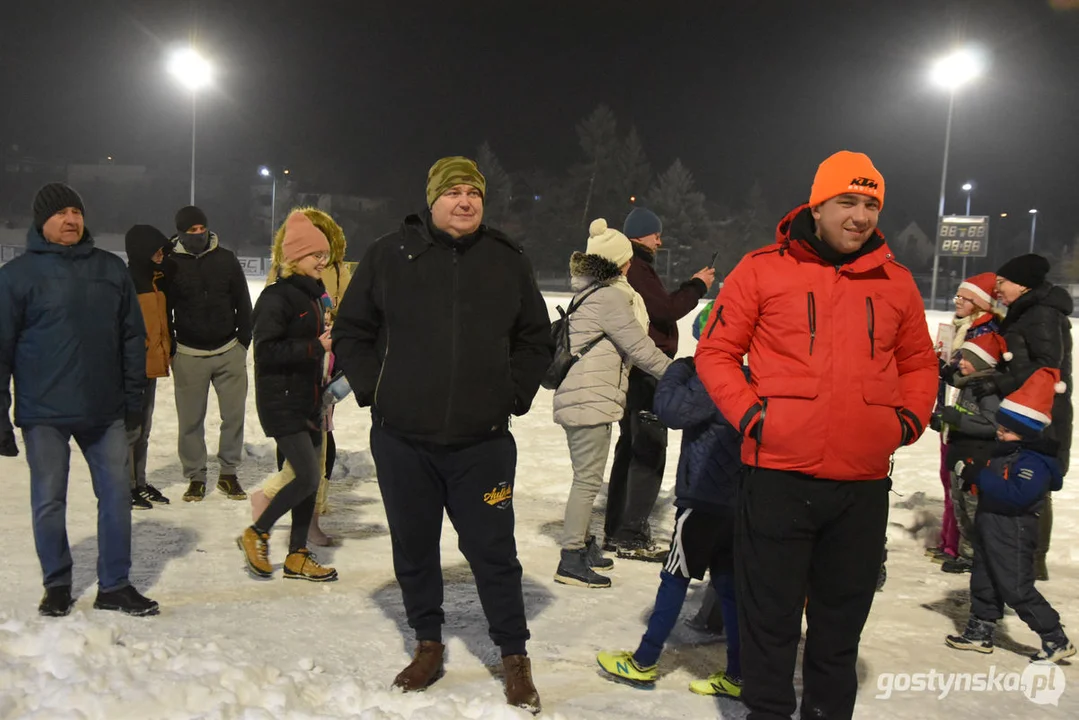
<point x="288" y="356"/>
<point x="1037" y="332"/>
<point x="208" y="298"/>
<point x="444" y="338"/>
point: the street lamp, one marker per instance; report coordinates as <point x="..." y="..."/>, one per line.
<point x="1033" y="224"/>
<point x="967" y="187"/>
<point x="950" y="72"/>
<point x="266" y="172"/>
<point x="193" y="72"/>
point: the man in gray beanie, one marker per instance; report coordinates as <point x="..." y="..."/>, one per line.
<point x="73" y="340"/>
<point x="641" y="451"/>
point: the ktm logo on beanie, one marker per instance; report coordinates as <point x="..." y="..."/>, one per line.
<point x="863" y="183"/>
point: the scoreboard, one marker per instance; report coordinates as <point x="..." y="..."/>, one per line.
<point x="963" y="236"/>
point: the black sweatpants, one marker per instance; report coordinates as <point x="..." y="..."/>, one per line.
<point x="799" y="537"/>
<point x="475" y="487"/>
<point x="1003" y="573"/>
<point x="303" y="452"/>
<point x="639" y="458"/>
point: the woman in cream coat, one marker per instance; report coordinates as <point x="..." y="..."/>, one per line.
<point x="593" y="395"/>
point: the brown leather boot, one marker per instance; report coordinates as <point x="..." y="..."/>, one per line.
<point x="425" y="668"/>
<point x="520" y="691"/>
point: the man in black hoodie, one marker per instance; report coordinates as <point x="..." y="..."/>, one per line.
<point x="445" y="335"/>
<point x="210" y="309"/>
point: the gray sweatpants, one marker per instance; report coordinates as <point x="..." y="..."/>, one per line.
<point x="193" y="376"/>
<point x="588" y="450"/>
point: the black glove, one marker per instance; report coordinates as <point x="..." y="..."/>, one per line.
<point x="8" y="448"/>
<point x="951" y="416"/>
<point x="967" y="471"/>
<point x="984" y="387"/>
<point x="132" y="421"/>
<point x="948" y="373"/>
<point x="935" y="423"/>
<point x="910" y="426"/>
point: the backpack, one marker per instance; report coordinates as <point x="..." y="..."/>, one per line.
<point x="564" y="359"/>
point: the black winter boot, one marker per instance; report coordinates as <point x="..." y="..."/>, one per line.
<point x="57" y="601"/>
<point x="573" y="570"/>
<point x="978" y="636"/>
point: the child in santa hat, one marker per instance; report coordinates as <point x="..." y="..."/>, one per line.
<point x="968" y="429"/>
<point x="1012" y="490"/>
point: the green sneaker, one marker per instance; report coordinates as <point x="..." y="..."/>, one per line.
<point x="719" y="684"/>
<point x="621" y="666"/>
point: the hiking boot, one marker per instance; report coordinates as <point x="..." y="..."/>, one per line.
<point x="302" y="565"/>
<point x="426" y="667"/>
<point x="230" y="486"/>
<point x="937" y="555"/>
<point x="196" y="491"/>
<point x="621" y="666"/>
<point x="719" y="684"/>
<point x="520" y="691"/>
<point x="957" y="566"/>
<point x="57" y="601"/>
<point x="255" y="546"/>
<point x="594" y="555"/>
<point x="153" y="495"/>
<point x="1055" y="647"/>
<point x="573" y="570"/>
<point x="978" y="636"/>
<point x="643" y="549"/>
<point x="127" y="600"/>
<point x="139" y="501"/>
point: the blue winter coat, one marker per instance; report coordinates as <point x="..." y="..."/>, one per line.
<point x="71" y="334"/>
<point x="1017" y="479"/>
<point x="709" y="465"/>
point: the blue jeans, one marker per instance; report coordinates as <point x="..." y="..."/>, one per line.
<point x="105" y="449"/>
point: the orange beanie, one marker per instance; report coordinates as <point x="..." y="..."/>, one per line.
<point x="846" y="172"/>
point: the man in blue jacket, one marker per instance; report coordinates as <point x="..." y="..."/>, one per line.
<point x="72" y="335"/>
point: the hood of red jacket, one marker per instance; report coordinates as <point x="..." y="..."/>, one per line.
<point x="801" y="249"/>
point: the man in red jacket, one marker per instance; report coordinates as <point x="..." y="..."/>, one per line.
<point x="843" y="374"/>
<point x="641" y="451"/>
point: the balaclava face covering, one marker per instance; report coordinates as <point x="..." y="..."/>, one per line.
<point x="195" y="243"/>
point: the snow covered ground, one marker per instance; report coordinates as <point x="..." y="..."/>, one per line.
<point x="225" y="646"/>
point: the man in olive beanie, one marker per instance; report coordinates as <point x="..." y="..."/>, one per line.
<point x="447" y="286"/>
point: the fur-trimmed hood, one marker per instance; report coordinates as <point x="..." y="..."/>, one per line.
<point x="592" y="268"/>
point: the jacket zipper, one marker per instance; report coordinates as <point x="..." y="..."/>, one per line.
<point x="719" y="319"/>
<point x="453" y="347"/>
<point x="760" y="433"/>
<point x="871" y="322"/>
<point x="811" y="308"/>
<point x="385" y="355"/>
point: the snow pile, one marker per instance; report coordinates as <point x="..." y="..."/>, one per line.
<point x="84" y="667"/>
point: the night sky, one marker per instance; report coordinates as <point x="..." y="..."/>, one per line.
<point x="361" y="97"/>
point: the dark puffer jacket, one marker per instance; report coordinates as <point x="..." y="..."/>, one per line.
<point x="709" y="465"/>
<point x="288" y="356"/>
<point x="71" y="334"/>
<point x="444" y="338"/>
<point x="1038" y="333"/>
<point x="208" y="297"/>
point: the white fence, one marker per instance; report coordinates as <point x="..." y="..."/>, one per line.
<point x="253" y="266"/>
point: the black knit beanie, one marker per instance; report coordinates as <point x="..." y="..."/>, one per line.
<point x="1026" y="270"/>
<point x="189" y="217"/>
<point x="53" y="198"/>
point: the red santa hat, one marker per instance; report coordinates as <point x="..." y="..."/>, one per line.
<point x="985" y="351"/>
<point x="1029" y="410"/>
<point x="979" y="289"/>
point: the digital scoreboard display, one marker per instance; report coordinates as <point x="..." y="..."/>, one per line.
<point x="963" y="236"/>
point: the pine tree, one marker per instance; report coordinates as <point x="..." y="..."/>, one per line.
<point x="496" y="201"/>
<point x="687" y="229"/>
